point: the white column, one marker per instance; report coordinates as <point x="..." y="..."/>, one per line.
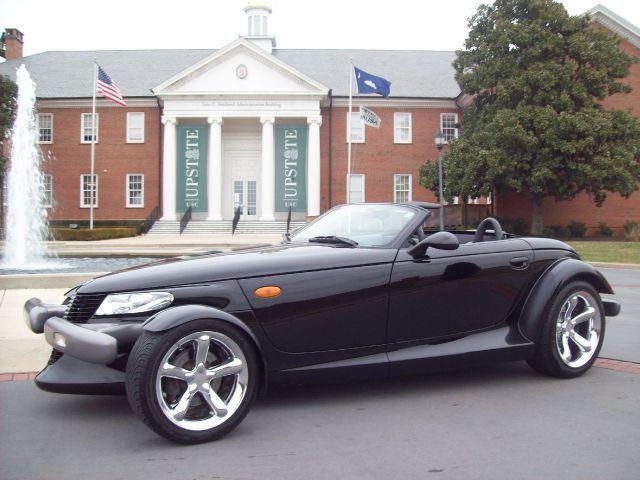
<point x="214" y="175"/>
<point x="313" y="173"/>
<point x="169" y="169"/>
<point x="268" y="182"/>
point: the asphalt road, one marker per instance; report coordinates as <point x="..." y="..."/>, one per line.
<point x="622" y="337"/>
<point x="490" y="422"/>
<point x="500" y="422"/>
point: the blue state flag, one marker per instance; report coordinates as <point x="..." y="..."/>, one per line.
<point x="368" y="83"/>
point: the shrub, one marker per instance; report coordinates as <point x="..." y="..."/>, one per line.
<point x="604" y="230"/>
<point x="560" y="232"/>
<point x="70" y="234"/>
<point x="631" y="230"/>
<point x="577" y="229"/>
<point x="548" y="232"/>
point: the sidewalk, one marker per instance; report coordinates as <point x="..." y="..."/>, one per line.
<point x="20" y="349"/>
<point x="158" y="245"/>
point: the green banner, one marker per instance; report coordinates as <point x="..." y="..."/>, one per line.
<point x="191" y="166"/>
<point x="291" y="168"/>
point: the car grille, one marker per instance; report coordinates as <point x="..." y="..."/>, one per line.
<point x="82" y="307"/>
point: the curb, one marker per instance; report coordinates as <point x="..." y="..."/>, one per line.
<point x="12" y="377"/>
<point x="626" y="266"/>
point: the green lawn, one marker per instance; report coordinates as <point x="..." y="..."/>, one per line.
<point x="616" y="252"/>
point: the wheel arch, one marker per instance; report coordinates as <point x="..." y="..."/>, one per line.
<point x="175" y="316"/>
<point x="553" y="279"/>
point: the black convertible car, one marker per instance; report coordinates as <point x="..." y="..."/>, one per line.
<point x="364" y="290"/>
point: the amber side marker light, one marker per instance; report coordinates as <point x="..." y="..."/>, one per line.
<point x="267" y="292"/>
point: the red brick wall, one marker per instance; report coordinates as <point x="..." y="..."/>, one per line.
<point x="67" y="158"/>
<point x="378" y="158"/>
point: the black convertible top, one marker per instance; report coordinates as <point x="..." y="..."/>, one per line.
<point x="425" y="205"/>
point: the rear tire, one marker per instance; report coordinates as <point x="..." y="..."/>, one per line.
<point x="572" y="332"/>
<point x="194" y="383"/>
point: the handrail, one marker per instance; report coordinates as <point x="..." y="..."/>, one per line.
<point x="184" y="221"/>
<point x="151" y="219"/>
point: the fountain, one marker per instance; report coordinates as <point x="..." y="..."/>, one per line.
<point x="26" y="221"/>
<point x="26" y="225"/>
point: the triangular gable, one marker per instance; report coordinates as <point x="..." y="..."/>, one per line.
<point x="218" y="74"/>
<point x="616" y="24"/>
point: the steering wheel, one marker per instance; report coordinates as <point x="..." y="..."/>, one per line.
<point x="484" y="225"/>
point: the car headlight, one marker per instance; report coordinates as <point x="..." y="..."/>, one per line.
<point x="126" y="303"/>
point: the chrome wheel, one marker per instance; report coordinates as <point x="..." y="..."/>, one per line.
<point x="202" y="380"/>
<point x="578" y="329"/>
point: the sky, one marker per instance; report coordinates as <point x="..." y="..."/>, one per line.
<point x="141" y="24"/>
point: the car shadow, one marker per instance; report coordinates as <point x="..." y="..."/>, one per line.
<point x="112" y="414"/>
<point x="426" y="384"/>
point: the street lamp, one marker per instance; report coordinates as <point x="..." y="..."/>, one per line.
<point x="439" y="139"/>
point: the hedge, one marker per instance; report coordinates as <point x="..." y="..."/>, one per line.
<point x="100" y="233"/>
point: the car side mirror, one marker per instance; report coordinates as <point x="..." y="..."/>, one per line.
<point x="439" y="240"/>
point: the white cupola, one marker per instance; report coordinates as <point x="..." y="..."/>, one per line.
<point x="257" y="26"/>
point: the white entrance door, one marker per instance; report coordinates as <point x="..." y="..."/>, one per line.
<point x="241" y="165"/>
<point x="245" y="197"/>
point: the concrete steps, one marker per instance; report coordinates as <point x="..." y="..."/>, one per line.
<point x="223" y="227"/>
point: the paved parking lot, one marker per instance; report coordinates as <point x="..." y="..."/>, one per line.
<point x="500" y="422"/>
<point x="490" y="422"/>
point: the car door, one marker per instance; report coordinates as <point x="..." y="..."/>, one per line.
<point x="451" y="293"/>
<point x="336" y="308"/>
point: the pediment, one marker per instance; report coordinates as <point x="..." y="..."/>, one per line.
<point x="221" y="74"/>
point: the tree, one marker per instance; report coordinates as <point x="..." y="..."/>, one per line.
<point x="8" y="95"/>
<point x="536" y="125"/>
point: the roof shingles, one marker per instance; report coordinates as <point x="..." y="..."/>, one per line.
<point x="69" y="74"/>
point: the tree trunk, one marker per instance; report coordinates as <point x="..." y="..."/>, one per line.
<point x="536" y="215"/>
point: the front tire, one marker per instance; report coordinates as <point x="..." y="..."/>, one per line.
<point x="194" y="383"/>
<point x="573" y="332"/>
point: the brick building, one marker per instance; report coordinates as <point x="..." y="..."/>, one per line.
<point x="259" y="127"/>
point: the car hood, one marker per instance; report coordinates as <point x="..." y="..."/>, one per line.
<point x="255" y="262"/>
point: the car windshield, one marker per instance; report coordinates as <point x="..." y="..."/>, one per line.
<point x="372" y="225"/>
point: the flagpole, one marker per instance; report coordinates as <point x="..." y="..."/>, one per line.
<point x="349" y="120"/>
<point x="93" y="143"/>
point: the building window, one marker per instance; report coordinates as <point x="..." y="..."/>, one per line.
<point x="135" y="190"/>
<point x="135" y="127"/>
<point x="86" y="129"/>
<point x="401" y="188"/>
<point x="357" y="127"/>
<point x="85" y="191"/>
<point x="402" y="127"/>
<point x="448" y="122"/>
<point x="47" y="191"/>
<point x="45" y="127"/>
<point x="356" y="188"/>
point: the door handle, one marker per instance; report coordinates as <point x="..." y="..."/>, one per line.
<point x="519" y="263"/>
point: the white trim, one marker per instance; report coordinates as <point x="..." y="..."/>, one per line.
<point x="364" y="183"/>
<point x="151" y="102"/>
<point x="50" y="176"/>
<point x="395" y="128"/>
<point x="38" y="128"/>
<point x="97" y="130"/>
<point x="128" y="138"/>
<point x="395" y="191"/>
<point x="82" y="204"/>
<point x="348" y="134"/>
<point x="239" y="43"/>
<point x="615" y="23"/>
<point x="128" y="190"/>
<point x="401" y="104"/>
<point x="455" y="135"/>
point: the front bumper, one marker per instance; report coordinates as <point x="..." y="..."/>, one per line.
<point x="98" y="343"/>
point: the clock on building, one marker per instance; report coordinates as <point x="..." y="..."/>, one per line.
<point x="242" y="71"/>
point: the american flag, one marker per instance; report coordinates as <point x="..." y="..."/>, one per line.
<point x="108" y="88"/>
